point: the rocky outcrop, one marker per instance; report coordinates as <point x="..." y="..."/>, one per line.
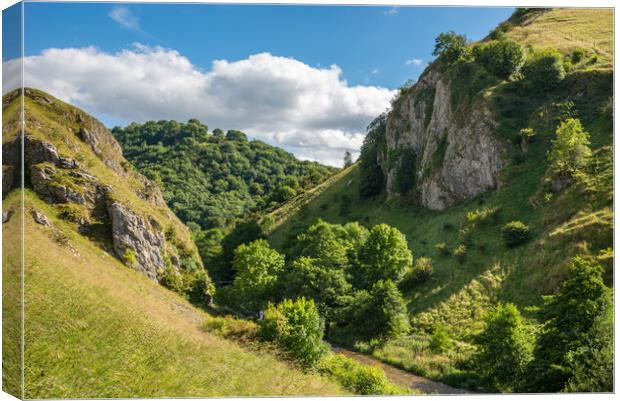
<point x="40" y="218"/>
<point x="458" y="155"/>
<point x="135" y="237"/>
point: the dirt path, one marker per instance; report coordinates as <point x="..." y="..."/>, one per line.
<point x="400" y="376"/>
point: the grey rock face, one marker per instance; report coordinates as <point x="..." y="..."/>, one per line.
<point x="459" y="156"/>
<point x="132" y="232"/>
<point x="40" y="218"/>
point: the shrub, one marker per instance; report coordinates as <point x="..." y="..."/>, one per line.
<point x="440" y="340"/>
<point x="460" y="253"/>
<point x="502" y="58"/>
<point x="130" y="258"/>
<point x="421" y="272"/>
<point x="578" y="55"/>
<point x="443" y="249"/>
<point x="200" y="288"/>
<point x="569" y="150"/>
<point x="361" y="379"/>
<point x="485" y="214"/>
<point x="515" y="233"/>
<point x="504" y="348"/>
<point x="544" y="70"/>
<point x="297" y="327"/>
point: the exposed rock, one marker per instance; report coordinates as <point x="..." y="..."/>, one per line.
<point x="103" y="144"/>
<point x="40" y="218"/>
<point x="65" y="162"/>
<point x="36" y="151"/>
<point x="6" y="215"/>
<point x="7" y="179"/>
<point x="559" y="182"/>
<point x="458" y="156"/>
<point x="43" y="183"/>
<point x="130" y="231"/>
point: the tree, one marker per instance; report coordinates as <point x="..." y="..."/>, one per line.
<point x="592" y="365"/>
<point x="327" y="286"/>
<point x="382" y="312"/>
<point x="297" y="327"/>
<point x="502" y="58"/>
<point x="450" y="47"/>
<point x="234" y="135"/>
<point x="243" y="233"/>
<point x="385" y="255"/>
<point x="370" y="173"/>
<point x="544" y="70"/>
<point x="257" y="266"/>
<point x="569" y="317"/>
<point x="348" y="159"/>
<point x="504" y="348"/>
<point x="569" y="150"/>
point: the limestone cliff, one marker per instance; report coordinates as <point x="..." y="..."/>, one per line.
<point x="453" y="155"/>
<point x="73" y="162"/>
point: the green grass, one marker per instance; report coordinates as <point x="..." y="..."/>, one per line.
<point x="96" y="329"/>
<point x="567" y="29"/>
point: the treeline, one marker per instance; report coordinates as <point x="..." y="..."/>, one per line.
<point x="212" y="179"/>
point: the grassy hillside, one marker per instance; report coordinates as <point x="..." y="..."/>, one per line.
<point x="96" y="329"/>
<point x="473" y="268"/>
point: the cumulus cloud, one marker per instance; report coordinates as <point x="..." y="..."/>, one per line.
<point x="415" y="61"/>
<point x="125" y="18"/>
<point x="312" y="112"/>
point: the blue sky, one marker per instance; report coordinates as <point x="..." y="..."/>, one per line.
<point x="306" y="78"/>
<point x="360" y="40"/>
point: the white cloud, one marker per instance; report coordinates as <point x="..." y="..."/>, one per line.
<point x="312" y="112"/>
<point x="415" y="61"/>
<point x="125" y="18"/>
<point x="375" y="71"/>
<point x="391" y="11"/>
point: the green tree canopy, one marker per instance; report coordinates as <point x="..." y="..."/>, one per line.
<point x="569" y="150"/>
<point x="450" y="47"/>
<point x="504" y="348"/>
<point x="257" y="266"/>
<point x="385" y="255"/>
<point x="298" y="328"/>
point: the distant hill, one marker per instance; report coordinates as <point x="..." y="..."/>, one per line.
<point x="213" y="179"/>
<point x="448" y="166"/>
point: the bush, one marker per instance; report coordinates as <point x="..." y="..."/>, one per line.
<point x="460" y="253"/>
<point x="297" y="327"/>
<point x="578" y="55"/>
<point x="502" y="58"/>
<point x="361" y="379"/>
<point x="440" y="340"/>
<point x="504" y="348"/>
<point x="443" y="249"/>
<point x="544" y="70"/>
<point x="370" y="173"/>
<point x="515" y="233"/>
<point x="421" y="272"/>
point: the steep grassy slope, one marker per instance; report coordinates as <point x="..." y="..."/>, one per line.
<point x="577" y="220"/>
<point x="95" y="328"/>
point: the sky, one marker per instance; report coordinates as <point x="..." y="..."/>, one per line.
<point x="306" y="78"/>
